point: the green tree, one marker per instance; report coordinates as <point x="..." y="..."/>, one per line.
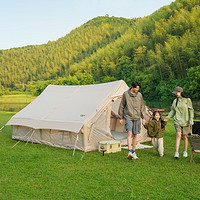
<point x="193" y="79"/>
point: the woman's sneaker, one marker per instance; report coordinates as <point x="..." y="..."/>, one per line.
<point x="185" y="154"/>
<point x="130" y="155"/>
<point x="176" y="155"/>
<point x="135" y="156"/>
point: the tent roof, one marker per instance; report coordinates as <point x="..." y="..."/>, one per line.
<point x="67" y="107"/>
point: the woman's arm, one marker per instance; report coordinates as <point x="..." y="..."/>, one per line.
<point x="191" y="112"/>
<point x="172" y="112"/>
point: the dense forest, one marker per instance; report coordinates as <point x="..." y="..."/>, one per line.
<point x="161" y="51"/>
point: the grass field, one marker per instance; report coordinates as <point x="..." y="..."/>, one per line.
<point x="14" y="103"/>
<point x="36" y="171"/>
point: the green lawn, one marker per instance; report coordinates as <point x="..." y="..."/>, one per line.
<point x="36" y="171"/>
<point x="15" y="103"/>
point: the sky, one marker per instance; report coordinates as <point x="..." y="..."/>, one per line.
<point x="35" y="22"/>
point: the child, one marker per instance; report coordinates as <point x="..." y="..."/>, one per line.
<point x="156" y="130"/>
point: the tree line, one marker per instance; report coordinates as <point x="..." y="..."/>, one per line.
<point x="160" y="50"/>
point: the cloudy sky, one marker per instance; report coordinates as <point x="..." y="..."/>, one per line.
<point x="30" y="22"/>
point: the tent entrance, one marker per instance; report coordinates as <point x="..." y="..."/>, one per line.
<point x="119" y="135"/>
<point x="117" y="130"/>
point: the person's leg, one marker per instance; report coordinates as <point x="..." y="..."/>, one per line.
<point x="185" y="142"/>
<point x="134" y="146"/>
<point x="178" y="138"/>
<point x="154" y="142"/>
<point x="134" y="141"/>
<point x="186" y="130"/>
<point x="129" y="125"/>
<point x="160" y="147"/>
<point x="136" y="130"/>
<point x="179" y="130"/>
<point x="130" y="155"/>
<point x="129" y="140"/>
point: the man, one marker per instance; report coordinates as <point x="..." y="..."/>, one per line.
<point x="132" y="108"/>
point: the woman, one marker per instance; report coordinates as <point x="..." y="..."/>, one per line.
<point x="183" y="113"/>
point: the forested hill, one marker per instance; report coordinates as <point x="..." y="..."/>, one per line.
<point x="160" y="50"/>
<point x="52" y="60"/>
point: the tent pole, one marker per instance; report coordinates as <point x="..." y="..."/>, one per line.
<point x="30" y="136"/>
<point x="19" y="140"/>
<point x="75" y="145"/>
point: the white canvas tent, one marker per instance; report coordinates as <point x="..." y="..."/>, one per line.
<point x="72" y="116"/>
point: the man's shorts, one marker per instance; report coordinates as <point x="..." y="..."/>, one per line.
<point x="133" y="125"/>
<point x="183" y="129"/>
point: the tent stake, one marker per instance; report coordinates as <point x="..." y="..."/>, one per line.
<point x="15" y="144"/>
<point x="2" y="127"/>
<point x="83" y="155"/>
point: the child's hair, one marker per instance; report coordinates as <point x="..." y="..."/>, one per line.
<point x="161" y="119"/>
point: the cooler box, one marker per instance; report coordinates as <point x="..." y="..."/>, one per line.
<point x="110" y="146"/>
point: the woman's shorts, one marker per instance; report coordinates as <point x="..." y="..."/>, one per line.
<point x="183" y="129"/>
<point x="133" y="125"/>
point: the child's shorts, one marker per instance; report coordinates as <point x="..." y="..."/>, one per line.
<point x="183" y="129"/>
<point x="133" y="125"/>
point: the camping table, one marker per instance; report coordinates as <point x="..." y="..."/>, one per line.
<point x="195" y="144"/>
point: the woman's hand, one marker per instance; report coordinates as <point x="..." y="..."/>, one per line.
<point x="121" y="121"/>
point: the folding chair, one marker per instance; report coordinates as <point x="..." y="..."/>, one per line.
<point x="195" y="144"/>
<point x="194" y="139"/>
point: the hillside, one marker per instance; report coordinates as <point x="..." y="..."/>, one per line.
<point x="160" y="50"/>
<point x="50" y="61"/>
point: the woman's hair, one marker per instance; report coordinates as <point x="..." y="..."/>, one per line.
<point x="183" y="95"/>
<point x="161" y="119"/>
<point x="134" y="84"/>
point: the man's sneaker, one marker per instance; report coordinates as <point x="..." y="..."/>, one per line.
<point x="130" y="155"/>
<point x="176" y="155"/>
<point x="135" y="156"/>
<point x="185" y="154"/>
